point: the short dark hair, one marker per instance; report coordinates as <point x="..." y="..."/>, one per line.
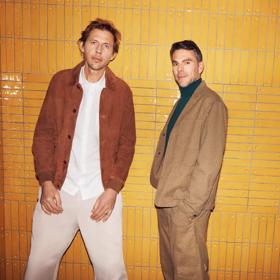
<point x="187" y="45"/>
<point x="102" y="24"/>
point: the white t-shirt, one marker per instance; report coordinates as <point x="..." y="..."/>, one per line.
<point x="84" y="173"/>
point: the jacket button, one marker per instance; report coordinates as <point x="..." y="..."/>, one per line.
<point x="69" y="136"/>
<point x="192" y="217"/>
<point x="74" y="111"/>
<point x="64" y="161"/>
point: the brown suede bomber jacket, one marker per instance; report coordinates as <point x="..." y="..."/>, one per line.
<point x="55" y="128"/>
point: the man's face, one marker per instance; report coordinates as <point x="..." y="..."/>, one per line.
<point x="98" y="49"/>
<point x="186" y="69"/>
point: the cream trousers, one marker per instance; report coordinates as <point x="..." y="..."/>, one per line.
<point x="53" y="234"/>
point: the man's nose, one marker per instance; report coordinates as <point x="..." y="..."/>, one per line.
<point x="98" y="48"/>
<point x="180" y="68"/>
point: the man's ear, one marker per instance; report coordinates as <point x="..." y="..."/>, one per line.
<point x="200" y="67"/>
<point x="81" y="47"/>
<point x="114" y="56"/>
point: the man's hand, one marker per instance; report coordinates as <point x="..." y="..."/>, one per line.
<point x="104" y="205"/>
<point x="50" y="199"/>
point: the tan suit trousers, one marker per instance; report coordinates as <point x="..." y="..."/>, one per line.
<point x="53" y="234"/>
<point x="183" y="251"/>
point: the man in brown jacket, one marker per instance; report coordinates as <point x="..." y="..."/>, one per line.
<point x="83" y="146"/>
<point x="187" y="166"/>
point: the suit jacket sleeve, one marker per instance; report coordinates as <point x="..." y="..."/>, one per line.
<point x="206" y="172"/>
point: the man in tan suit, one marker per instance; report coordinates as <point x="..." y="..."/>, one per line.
<point x="186" y="168"/>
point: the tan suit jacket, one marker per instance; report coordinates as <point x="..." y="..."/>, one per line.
<point x="189" y="170"/>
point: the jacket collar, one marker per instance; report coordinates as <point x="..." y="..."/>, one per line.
<point x="196" y="95"/>
<point x="110" y="77"/>
<point x="194" y="98"/>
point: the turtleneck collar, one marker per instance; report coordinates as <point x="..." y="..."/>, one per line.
<point x="188" y="90"/>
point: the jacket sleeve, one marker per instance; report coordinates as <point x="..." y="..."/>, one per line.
<point x="45" y="137"/>
<point x="206" y="172"/>
<point x="126" y="146"/>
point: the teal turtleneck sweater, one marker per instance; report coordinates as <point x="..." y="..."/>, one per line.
<point x="186" y="94"/>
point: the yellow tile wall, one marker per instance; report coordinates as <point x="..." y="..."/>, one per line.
<point x="241" y="45"/>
